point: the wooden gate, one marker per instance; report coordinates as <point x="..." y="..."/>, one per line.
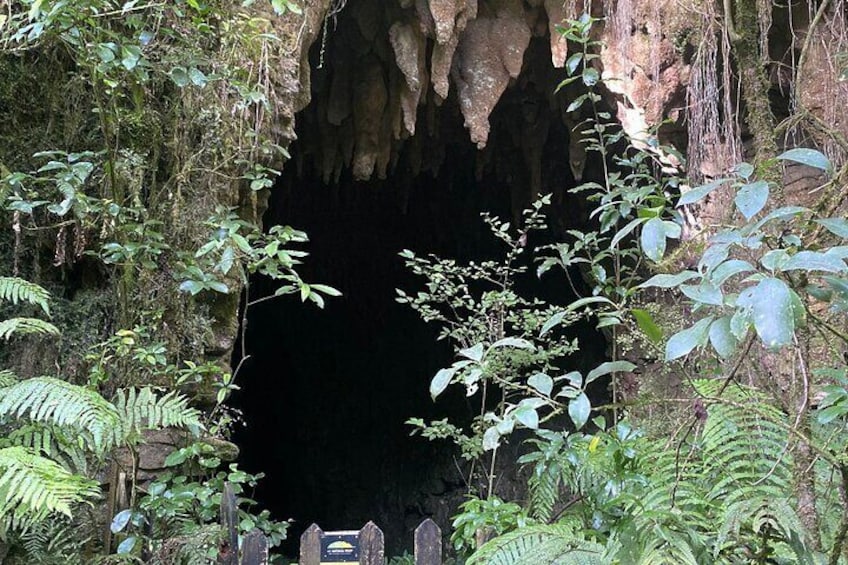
<point x="254" y="549"/>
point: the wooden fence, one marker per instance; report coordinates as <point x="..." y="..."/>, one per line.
<point x="371" y="546"/>
<point x="428" y="545"/>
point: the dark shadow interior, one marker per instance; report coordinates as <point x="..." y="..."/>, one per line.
<point x="326" y="392"/>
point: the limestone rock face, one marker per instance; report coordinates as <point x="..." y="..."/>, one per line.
<point x="391" y="65"/>
<point x="491" y="52"/>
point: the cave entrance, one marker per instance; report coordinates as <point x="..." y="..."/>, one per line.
<point x="326" y="393"/>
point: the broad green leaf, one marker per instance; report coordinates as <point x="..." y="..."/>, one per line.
<point x="197" y="77"/>
<point x="704" y="293"/>
<point x="474" y="353"/>
<point x="728" y="269"/>
<point x="647" y="325"/>
<point x="685" y="341"/>
<point x="814" y="261"/>
<point x="328" y="290"/>
<point x="441" y="381"/>
<point x="574" y="378"/>
<point x="609" y="367"/>
<point x="130" y="56"/>
<point x="515" y="342"/>
<point x="752" y="198"/>
<point x="839" y="286"/>
<point x="772" y="312"/>
<point x="192" y="287"/>
<point x="653" y="239"/>
<point x="775" y="259"/>
<point x="699" y="192"/>
<point x="579" y="409"/>
<point x="722" y="338"/>
<point x="219" y="286"/>
<point x="837" y="226"/>
<point x="120" y="521"/>
<point x="740" y="322"/>
<point x="126" y="546"/>
<point x="715" y="255"/>
<point x="528" y="416"/>
<point x="625" y="231"/>
<point x="491" y="439"/>
<point x="542" y="383"/>
<point x="744" y="170"/>
<point x="669" y="281"/>
<point x="552" y="322"/>
<point x="809" y="157"/>
<point x="180" y="76"/>
<point x="577" y="304"/>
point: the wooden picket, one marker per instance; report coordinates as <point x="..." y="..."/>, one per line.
<point x="254" y="550"/>
<point x="428" y="545"/>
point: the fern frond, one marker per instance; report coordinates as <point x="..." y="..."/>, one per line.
<point x="544" y="486"/>
<point x="33" y="487"/>
<point x="54" y="542"/>
<point x="555" y="543"/>
<point x="26" y="326"/>
<point x="51" y="441"/>
<point x="143" y="409"/>
<point x="50" y="400"/>
<point x="7" y="378"/>
<point x="15" y="290"/>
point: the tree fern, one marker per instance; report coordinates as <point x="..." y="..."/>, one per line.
<point x="33" y="487"/>
<point x="15" y="290"/>
<point x="531" y="545"/>
<point x="46" y="399"/>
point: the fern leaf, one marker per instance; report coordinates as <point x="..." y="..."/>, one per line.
<point x="33" y="487"/>
<point x="556" y="543"/>
<point x="143" y="409"/>
<point x="16" y="290"/>
<point x="50" y="400"/>
<point x="26" y="326"/>
<point x="7" y="378"/>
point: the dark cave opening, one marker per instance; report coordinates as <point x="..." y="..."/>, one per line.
<point x="326" y="393"/>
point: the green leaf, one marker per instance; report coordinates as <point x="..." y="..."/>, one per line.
<point x="579" y="409"/>
<point x="192" y="287"/>
<point x="625" y="231"/>
<point x="772" y="312"/>
<point x="328" y="290"/>
<point x="744" y="170"/>
<point x="552" y="322"/>
<point x="704" y="293"/>
<point x="609" y="367"/>
<point x="577" y="304"/>
<point x="669" y="281"/>
<point x="441" y="381"/>
<point x="515" y="342"/>
<point x="219" y="286"/>
<point x="305" y="291"/>
<point x="752" y="198"/>
<point x="197" y="77"/>
<point x="126" y="546"/>
<point x="491" y="439"/>
<point x="120" y="521"/>
<point x="698" y="193"/>
<point x="474" y="353"/>
<point x="685" y="341"/>
<point x="180" y="76"/>
<point x="721" y="273"/>
<point x="814" y="261"/>
<point x="528" y="416"/>
<point x="130" y="56"/>
<point x="653" y="239"/>
<point x="647" y="325"/>
<point x="836" y="226"/>
<point x="809" y="157"/>
<point x="722" y="338"/>
<point x="542" y="383"/>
